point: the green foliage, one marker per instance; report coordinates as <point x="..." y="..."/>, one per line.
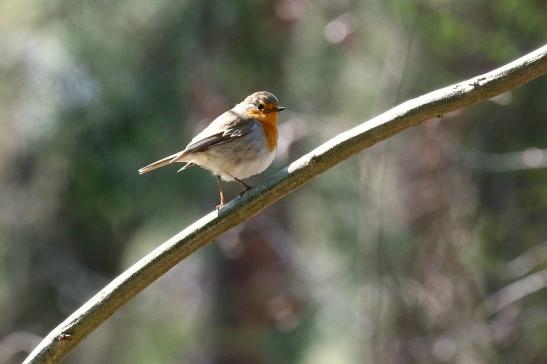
<point x="400" y="255"/>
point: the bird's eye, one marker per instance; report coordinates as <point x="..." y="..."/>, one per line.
<point x="260" y="106"/>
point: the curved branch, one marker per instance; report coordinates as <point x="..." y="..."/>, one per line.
<point x="410" y="113"/>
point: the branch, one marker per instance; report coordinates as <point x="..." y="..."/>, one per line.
<point x="410" y="113"/>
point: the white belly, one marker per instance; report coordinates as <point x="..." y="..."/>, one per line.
<point x="241" y="158"/>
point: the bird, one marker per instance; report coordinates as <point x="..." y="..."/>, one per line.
<point x="238" y="144"/>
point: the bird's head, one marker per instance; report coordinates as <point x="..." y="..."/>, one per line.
<point x="261" y="105"/>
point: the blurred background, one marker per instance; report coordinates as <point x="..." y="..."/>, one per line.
<point x="430" y="247"/>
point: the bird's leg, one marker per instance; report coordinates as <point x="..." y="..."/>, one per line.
<point x="245" y="185"/>
<point x="220" y="192"/>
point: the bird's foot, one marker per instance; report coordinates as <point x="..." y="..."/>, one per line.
<point x="246" y="186"/>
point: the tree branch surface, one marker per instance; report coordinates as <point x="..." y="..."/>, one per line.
<point x="433" y="105"/>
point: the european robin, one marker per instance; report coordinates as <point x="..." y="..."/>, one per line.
<point x="238" y="144"/>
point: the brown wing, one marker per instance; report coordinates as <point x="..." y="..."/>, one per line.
<point x="227" y="127"/>
<point x="230" y="127"/>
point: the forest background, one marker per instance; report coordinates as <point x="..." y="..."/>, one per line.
<point x="430" y="247"/>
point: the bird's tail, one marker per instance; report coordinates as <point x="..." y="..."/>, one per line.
<point x="162" y="162"/>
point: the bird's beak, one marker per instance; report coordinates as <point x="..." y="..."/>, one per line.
<point x="280" y="108"/>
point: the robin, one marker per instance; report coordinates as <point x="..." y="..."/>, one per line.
<point x="238" y="144"/>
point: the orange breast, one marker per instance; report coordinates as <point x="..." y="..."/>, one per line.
<point x="269" y="125"/>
